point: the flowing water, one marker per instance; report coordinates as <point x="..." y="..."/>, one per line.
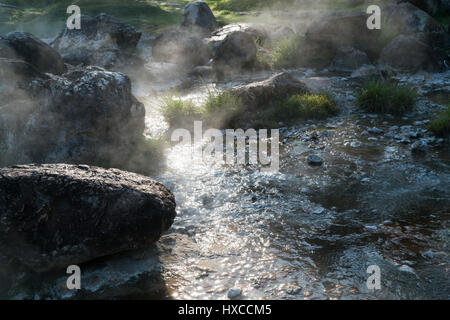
<point x="310" y="232"/>
<point x="300" y="233"/>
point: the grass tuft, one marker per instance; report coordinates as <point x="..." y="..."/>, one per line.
<point x="385" y="97"/>
<point x="305" y="107"/>
<point x="287" y="53"/>
<point x="178" y="112"/>
<point x="441" y="125"/>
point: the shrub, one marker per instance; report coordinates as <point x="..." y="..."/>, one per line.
<point x="441" y="125"/>
<point x="386" y="97"/>
<point x="308" y="106"/>
<point x="287" y="53"/>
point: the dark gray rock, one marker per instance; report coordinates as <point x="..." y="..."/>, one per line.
<point x="237" y="51"/>
<point x="102" y="41"/>
<point x="314" y="160"/>
<point x="339" y="29"/>
<point x="419" y="147"/>
<point x="180" y="47"/>
<point x="408" y="53"/>
<point x="263" y="34"/>
<point x="405" y="18"/>
<point x="53" y="216"/>
<point x="86" y="116"/>
<point x="24" y="46"/>
<point x="199" y="16"/>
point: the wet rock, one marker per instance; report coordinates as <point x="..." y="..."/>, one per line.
<point x="102" y="41"/>
<point x="428" y="254"/>
<point x="181" y="47"/>
<point x="57" y="215"/>
<point x="348" y="59"/>
<point x="236" y="52"/>
<point x="314" y="160"/>
<point x="199" y="16"/>
<point x="406" y="268"/>
<point x="88" y="115"/>
<point x="419" y="147"/>
<point x="420" y="56"/>
<point x="24" y="46"/>
<point x="258" y="95"/>
<point x="234" y="293"/>
<point x="375" y="130"/>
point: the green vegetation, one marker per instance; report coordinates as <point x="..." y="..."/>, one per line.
<point x="220" y="110"/>
<point x="47" y="18"/>
<point x="441" y="125"/>
<point x="308" y="106"/>
<point x="287" y="53"/>
<point x="224" y="110"/>
<point x="385" y="97"/>
<point x="178" y="112"/>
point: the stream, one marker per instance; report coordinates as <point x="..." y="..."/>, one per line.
<point x="311" y="232"/>
<point x="300" y="233"/>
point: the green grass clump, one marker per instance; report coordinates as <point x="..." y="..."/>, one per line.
<point x="385" y="97"/>
<point x="287" y="53"/>
<point x="222" y="110"/>
<point x="441" y="125"/>
<point x="308" y="106"/>
<point x="178" y="112"/>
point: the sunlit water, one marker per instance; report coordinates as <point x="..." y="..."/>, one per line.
<point x="309" y="232"/>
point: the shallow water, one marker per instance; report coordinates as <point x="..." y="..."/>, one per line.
<point x="310" y="232"/>
<point x="300" y="233"/>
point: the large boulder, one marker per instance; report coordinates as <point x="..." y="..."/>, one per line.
<point x="339" y="29"/>
<point x="180" y="47"/>
<point x="102" y="41"/>
<point x="87" y="115"/>
<point x="53" y="216"/>
<point x="258" y="95"/>
<point x="24" y="46"/>
<point x="237" y="51"/>
<point x="405" y="18"/>
<point x="263" y="34"/>
<point x="408" y="53"/>
<point x="198" y="15"/>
